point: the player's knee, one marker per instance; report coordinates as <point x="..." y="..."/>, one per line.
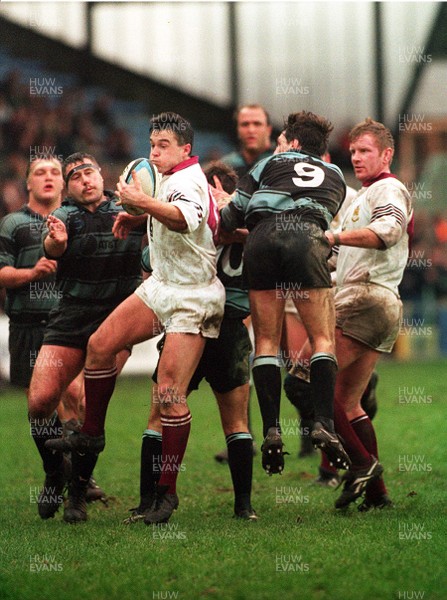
<point x="41" y="406"/>
<point x="96" y="345"/>
<point x="298" y="393"/>
<point x="171" y="398"/>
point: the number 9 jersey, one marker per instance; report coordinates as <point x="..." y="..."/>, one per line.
<point x="294" y="181"/>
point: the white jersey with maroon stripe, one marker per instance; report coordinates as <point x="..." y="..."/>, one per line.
<point x="385" y="208"/>
<point x="187" y="258"/>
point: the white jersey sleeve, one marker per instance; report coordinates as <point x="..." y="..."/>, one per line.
<point x="189" y="198"/>
<point x="389" y="206"/>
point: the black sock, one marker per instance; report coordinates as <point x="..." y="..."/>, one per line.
<point x="240" y="461"/>
<point x="150" y="467"/>
<point x="299" y="392"/>
<point x="41" y="431"/>
<point x="323" y="371"/>
<point x="267" y="378"/>
<point x="82" y="466"/>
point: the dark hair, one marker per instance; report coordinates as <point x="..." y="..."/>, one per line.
<point x="251" y="106"/>
<point x="41" y="158"/>
<point x="76" y="158"/>
<point x="312" y="131"/>
<point x="228" y="177"/>
<point x="180" y="127"/>
<point x="382" y="134"/>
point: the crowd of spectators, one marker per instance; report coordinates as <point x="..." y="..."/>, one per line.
<point x="60" y="124"/>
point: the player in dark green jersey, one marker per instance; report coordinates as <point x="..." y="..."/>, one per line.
<point x="31" y="292"/>
<point x="287" y="202"/>
<point x="254" y="131"/>
<point x="95" y="273"/>
<point x="29" y="277"/>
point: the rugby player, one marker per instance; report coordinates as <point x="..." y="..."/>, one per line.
<point x="183" y="296"/>
<point x="287" y="202"/>
<point x="225" y="365"/>
<point x="373" y="252"/>
<point x="31" y="292"/>
<point x="95" y="272"/>
<point x="254" y="132"/>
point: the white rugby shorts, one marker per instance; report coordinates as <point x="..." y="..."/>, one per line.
<point x="185" y="309"/>
<point x="369" y="313"/>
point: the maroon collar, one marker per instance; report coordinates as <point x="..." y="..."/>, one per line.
<point x="192" y="160"/>
<point x="378" y="178"/>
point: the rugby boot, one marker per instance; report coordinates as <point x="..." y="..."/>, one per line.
<point x="52" y="495"/>
<point x="368" y="503"/>
<point x="138" y="513"/>
<point x="355" y="482"/>
<point x="162" y="507"/>
<point x="329" y="442"/>
<point x="94" y="492"/>
<point x="76" y="509"/>
<point x="79" y="442"/>
<point x="272" y="453"/>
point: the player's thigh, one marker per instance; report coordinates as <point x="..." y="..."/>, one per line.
<point x="352" y="381"/>
<point x="233" y="407"/>
<point x="24" y="344"/>
<point x="179" y="359"/>
<point x="317" y="312"/>
<point x="226" y="360"/>
<point x="130" y="323"/>
<point x="55" y="368"/>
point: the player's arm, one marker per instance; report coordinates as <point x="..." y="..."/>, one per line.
<point x="56" y="240"/>
<point x="389" y="216"/>
<point x="125" y="223"/>
<point x="238" y="236"/>
<point x="167" y="213"/>
<point x="361" y="238"/>
<point x="11" y="277"/>
<point x="232" y="216"/>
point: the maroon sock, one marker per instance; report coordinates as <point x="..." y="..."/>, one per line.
<point x="352" y="444"/>
<point x="99" y="386"/>
<point x="175" y="433"/>
<point x="365" y="431"/>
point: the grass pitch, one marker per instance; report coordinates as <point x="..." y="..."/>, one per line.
<point x="300" y="548"/>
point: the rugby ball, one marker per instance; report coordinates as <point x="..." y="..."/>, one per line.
<point x="149" y="178"/>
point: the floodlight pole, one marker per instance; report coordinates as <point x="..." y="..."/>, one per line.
<point x="233" y="51"/>
<point x="379" y="64"/>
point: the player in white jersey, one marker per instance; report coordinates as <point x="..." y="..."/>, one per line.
<point x="184" y="297"/>
<point x="373" y="251"/>
<point x="188" y="299"/>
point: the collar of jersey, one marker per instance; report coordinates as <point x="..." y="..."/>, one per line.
<point x="192" y="160"/>
<point x="378" y="178"/>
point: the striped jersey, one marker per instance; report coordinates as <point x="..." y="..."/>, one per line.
<point x="293" y="181"/>
<point x="21" y="248"/>
<point x="96" y="265"/>
<point x="385" y="208"/>
<point x="237" y="162"/>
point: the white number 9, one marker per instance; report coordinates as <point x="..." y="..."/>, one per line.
<point x="308" y="175"/>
